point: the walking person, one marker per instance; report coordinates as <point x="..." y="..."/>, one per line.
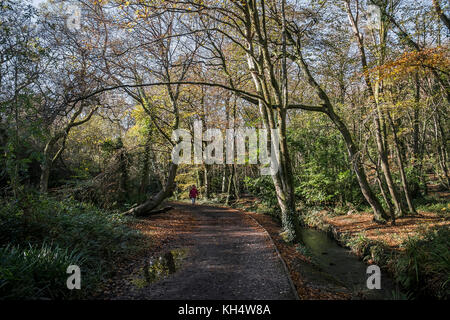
<point x="193" y="194"/>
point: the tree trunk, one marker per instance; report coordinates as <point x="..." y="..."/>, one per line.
<point x="416" y="149"/>
<point x="224" y="178"/>
<point x="441" y="142"/>
<point x="379" y="213"/>
<point x="206" y="181"/>
<point x="401" y="168"/>
<point x="145" y="169"/>
<point x="270" y="87"/>
<point x="46" y="166"/>
<point x="378" y="129"/>
<point x="197" y="178"/>
<point x="45" y="175"/>
<point x="123" y="171"/>
<point x="385" y="166"/>
<point x="441" y="14"/>
<point x="284" y="186"/>
<point x="230" y="183"/>
<point x="235" y="183"/>
<point x="152" y="203"/>
<point x="385" y="196"/>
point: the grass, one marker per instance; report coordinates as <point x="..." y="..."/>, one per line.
<point x="441" y="209"/>
<point x="36" y="271"/>
<point x="424" y="266"/>
<point x="41" y="236"/>
<point x="433" y="204"/>
<point x="313" y="217"/>
<point x="304" y="250"/>
<point x="371" y="251"/>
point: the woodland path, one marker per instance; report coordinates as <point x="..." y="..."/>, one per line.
<point x="229" y="256"/>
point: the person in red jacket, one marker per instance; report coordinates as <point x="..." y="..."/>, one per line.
<point x="193" y="194"/>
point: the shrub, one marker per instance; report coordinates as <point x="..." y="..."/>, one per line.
<point x="372" y="251"/>
<point x="263" y="188"/>
<point x="52" y="233"/>
<point x="305" y="251"/>
<point x="314" y="217"/>
<point x="36" y="271"/>
<point x="322" y="174"/>
<point x="360" y="244"/>
<point x="316" y="187"/>
<point x="424" y="267"/>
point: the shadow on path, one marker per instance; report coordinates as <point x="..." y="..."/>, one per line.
<point x="229" y="257"/>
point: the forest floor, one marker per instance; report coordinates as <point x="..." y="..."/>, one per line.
<point x="391" y="235"/>
<point x="219" y="253"/>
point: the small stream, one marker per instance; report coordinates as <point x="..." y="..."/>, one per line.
<point x="341" y="267"/>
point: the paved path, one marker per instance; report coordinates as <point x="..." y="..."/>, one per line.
<point x="230" y="257"/>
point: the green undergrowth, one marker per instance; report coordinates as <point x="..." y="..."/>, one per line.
<point x="41" y="236"/>
<point x="439" y="207"/>
<point x="424" y="266"/>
